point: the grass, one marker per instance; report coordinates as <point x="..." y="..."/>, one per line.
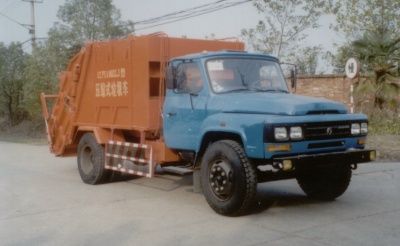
<point x="384" y="128"/>
<point x="25" y="132"/>
<point x="384" y="134"/>
<point x="382" y="121"/>
<point x="379" y="125"/>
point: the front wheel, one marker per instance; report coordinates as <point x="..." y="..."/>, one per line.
<point x="228" y="179"/>
<point x="325" y="183"/>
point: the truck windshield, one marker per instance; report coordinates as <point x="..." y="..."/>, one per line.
<point x="245" y="74"/>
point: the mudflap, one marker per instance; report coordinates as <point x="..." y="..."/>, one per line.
<point x="131" y="158"/>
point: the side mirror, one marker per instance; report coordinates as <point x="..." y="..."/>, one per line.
<point x="293" y="79"/>
<point x="293" y="75"/>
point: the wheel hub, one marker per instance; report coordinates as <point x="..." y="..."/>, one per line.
<point x="220" y="179"/>
<point x="87" y="161"/>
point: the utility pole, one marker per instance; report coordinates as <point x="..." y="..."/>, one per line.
<point x="32" y="25"/>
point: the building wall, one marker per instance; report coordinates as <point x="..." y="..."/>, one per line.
<point x="333" y="87"/>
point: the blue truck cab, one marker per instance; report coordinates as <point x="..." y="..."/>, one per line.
<point x="233" y="116"/>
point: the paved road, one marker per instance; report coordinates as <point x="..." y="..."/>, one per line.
<point x="43" y="202"/>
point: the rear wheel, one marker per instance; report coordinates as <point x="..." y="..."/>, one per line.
<point x="325" y="183"/>
<point x="91" y="161"/>
<point x="228" y="179"/>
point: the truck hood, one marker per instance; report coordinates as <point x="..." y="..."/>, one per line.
<point x="273" y="103"/>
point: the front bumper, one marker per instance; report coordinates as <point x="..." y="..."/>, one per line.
<point x="354" y="156"/>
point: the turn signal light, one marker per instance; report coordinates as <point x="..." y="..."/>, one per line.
<point x="361" y="141"/>
<point x="279" y="147"/>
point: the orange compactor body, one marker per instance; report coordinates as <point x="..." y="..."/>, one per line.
<point x="116" y="89"/>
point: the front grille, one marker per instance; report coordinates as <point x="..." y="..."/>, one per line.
<point x="326" y="145"/>
<point x="326" y="130"/>
<point x="314" y="130"/>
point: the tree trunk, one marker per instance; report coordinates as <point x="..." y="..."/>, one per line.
<point x="10" y="110"/>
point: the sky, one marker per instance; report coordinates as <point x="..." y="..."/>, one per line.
<point x="224" y="23"/>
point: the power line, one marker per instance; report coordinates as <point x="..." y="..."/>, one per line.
<point x="150" y="20"/>
<point x="13" y="2"/>
<point x="23" y="43"/>
<point x="30" y="27"/>
<point x="187" y="13"/>
<point x="15" y="21"/>
<point x="7" y="4"/>
<point x="10" y="4"/>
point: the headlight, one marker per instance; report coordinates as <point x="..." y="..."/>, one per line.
<point x="296" y="132"/>
<point x="364" y="128"/>
<point x="355" y="129"/>
<point x="280" y="133"/>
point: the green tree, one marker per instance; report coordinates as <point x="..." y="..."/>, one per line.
<point x="283" y="27"/>
<point x="12" y="65"/>
<point x="80" y="21"/>
<point x="355" y="17"/>
<point x="306" y="60"/>
<point x="41" y="71"/>
<point x="379" y="55"/>
<point x="338" y="58"/>
<point x="83" y="20"/>
<point x="375" y="27"/>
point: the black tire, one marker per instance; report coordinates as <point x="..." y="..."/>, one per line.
<point x="236" y="194"/>
<point x="325" y="183"/>
<point x="91" y="161"/>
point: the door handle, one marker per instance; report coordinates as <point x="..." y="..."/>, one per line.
<point x="169" y="114"/>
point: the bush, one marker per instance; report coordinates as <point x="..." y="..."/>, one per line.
<point x="383" y="122"/>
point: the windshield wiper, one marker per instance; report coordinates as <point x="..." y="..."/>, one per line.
<point x="273" y="90"/>
<point x="236" y="90"/>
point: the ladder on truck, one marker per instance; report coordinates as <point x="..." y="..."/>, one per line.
<point x="47" y="118"/>
<point x="131" y="158"/>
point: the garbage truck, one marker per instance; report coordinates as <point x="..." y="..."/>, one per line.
<point x="135" y="105"/>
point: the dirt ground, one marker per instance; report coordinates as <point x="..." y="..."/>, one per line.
<point x="388" y="146"/>
<point x="44" y="202"/>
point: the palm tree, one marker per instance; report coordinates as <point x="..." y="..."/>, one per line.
<point x="379" y="54"/>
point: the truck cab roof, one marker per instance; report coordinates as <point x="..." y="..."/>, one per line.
<point x="224" y="53"/>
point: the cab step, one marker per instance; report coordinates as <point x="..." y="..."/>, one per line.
<point x="177" y="170"/>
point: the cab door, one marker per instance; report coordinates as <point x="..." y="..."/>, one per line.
<point x="184" y="105"/>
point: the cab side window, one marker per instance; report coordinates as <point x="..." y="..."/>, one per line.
<point x="188" y="77"/>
